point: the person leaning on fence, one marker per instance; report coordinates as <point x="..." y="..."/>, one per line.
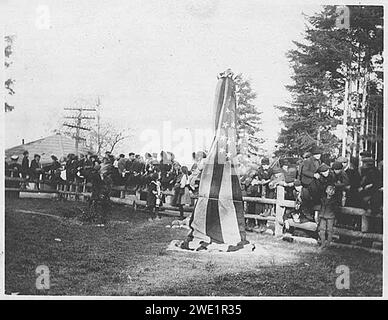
<point x="290" y="175"/>
<point x="264" y="175"/>
<point x="341" y="183"/>
<point x="371" y="185"/>
<point x="310" y="166"/>
<point x="352" y="194"/>
<point x="322" y="179"/>
<point x="327" y="215"/>
<point x="302" y="215"/>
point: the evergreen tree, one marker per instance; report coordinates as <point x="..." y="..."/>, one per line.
<point x="320" y="65"/>
<point x="248" y="116"/>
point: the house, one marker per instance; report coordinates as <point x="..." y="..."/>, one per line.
<point x="57" y="144"/>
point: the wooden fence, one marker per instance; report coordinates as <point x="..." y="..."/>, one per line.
<point x="81" y="191"/>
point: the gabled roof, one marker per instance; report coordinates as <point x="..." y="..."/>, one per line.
<point x="57" y="144"/>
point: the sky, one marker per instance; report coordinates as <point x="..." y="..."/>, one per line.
<point x="154" y="64"/>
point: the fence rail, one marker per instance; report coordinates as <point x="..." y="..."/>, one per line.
<point x="79" y="189"/>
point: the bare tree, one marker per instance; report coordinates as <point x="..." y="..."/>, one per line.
<point x="107" y="137"/>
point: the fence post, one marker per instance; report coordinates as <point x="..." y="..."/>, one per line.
<point x="279" y="210"/>
<point x="365" y="222"/>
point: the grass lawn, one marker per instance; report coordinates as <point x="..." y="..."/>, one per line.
<point x="128" y="257"/>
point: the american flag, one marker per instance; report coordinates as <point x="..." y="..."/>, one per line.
<point x="218" y="216"/>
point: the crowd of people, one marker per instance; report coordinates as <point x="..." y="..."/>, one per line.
<point x="311" y="180"/>
<point x="312" y="183"/>
<point x="147" y="174"/>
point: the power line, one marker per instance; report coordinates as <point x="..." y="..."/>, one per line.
<point x="78" y="123"/>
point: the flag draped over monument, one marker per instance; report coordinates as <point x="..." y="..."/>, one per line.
<point x="218" y="216"/>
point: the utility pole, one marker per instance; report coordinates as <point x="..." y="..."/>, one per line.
<point x="78" y="123"/>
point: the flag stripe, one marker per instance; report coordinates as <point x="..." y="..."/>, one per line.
<point x="238" y="204"/>
<point x="227" y="211"/>
<point x="213" y="224"/>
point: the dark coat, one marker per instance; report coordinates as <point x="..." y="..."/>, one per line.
<point x="341" y="181"/>
<point x="25" y="166"/>
<point x="329" y="208"/>
<point x="151" y="196"/>
<point x="317" y="187"/>
<point x="354" y="178"/>
<point x="35" y="169"/>
<point x="307" y="170"/>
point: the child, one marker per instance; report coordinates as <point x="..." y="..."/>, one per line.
<point x="329" y="207"/>
<point x="153" y="196"/>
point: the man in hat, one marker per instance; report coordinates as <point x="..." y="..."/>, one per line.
<point x="308" y="170"/>
<point x="129" y="176"/>
<point x="371" y="183"/>
<point x="318" y="186"/>
<point x="290" y="174"/>
<point x="352" y="195"/>
<point x="54" y="172"/>
<point x="35" y="167"/>
<point x="303" y="214"/>
<point x="341" y="183"/>
<point x="121" y="162"/>
<point x="264" y="175"/>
